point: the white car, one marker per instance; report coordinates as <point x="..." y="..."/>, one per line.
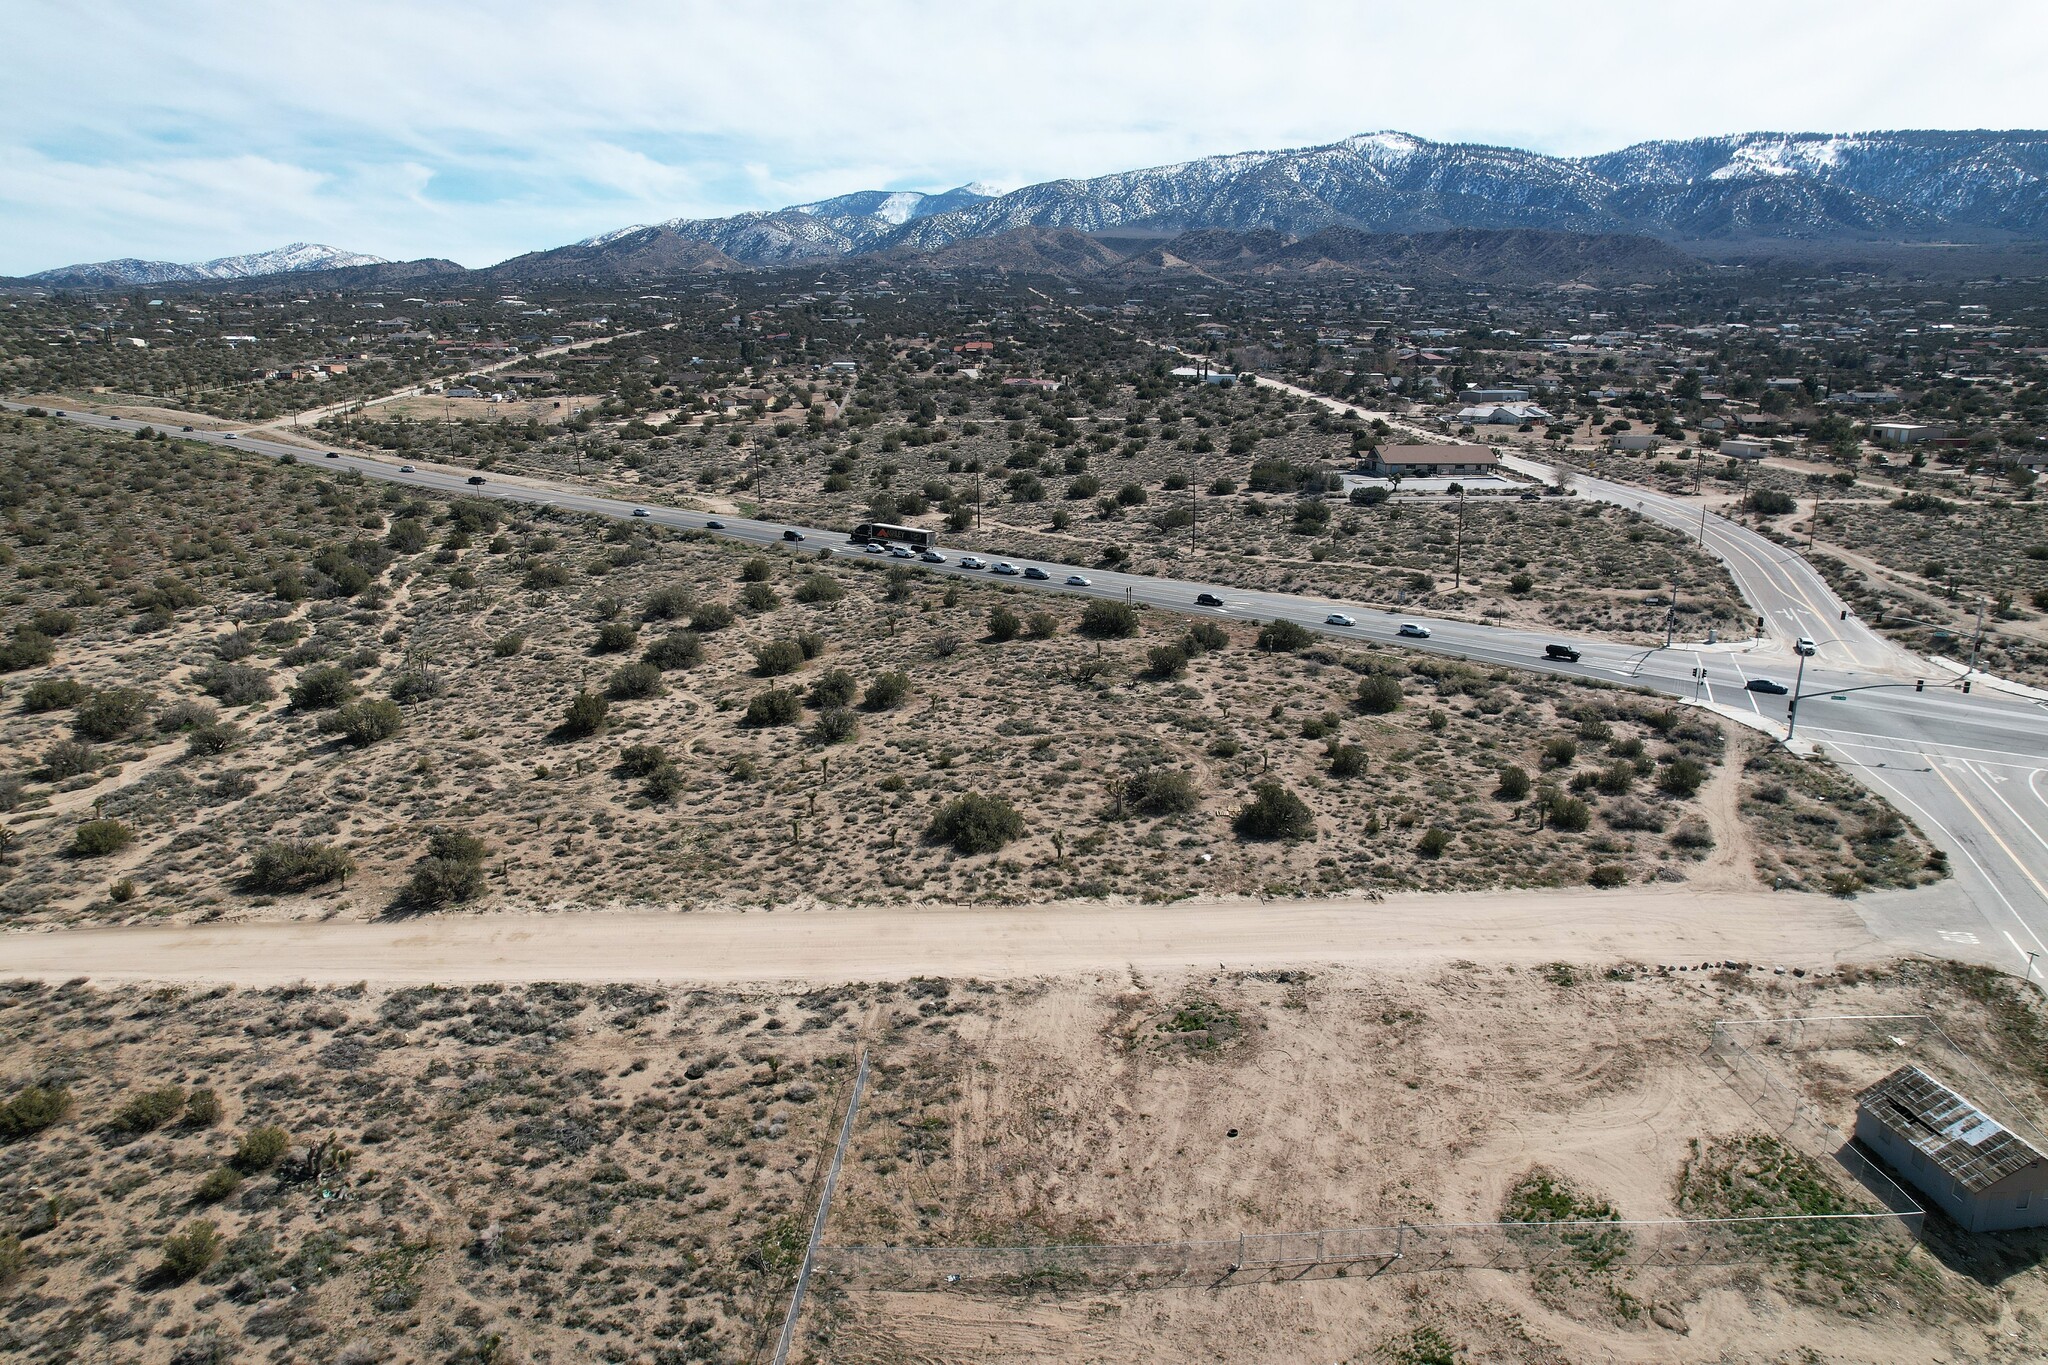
<point x="1005" y="568"/>
<point x="407" y="469"/>
<point x="1805" y="646"/>
<point x="932" y="557"/>
<point x="973" y="562"/>
<point x="1075" y="580"/>
<point x="1338" y="618"/>
<point x="1414" y="630"/>
<point x="874" y="547"/>
<point x="902" y="552"/>
<point x="639" y="511"/>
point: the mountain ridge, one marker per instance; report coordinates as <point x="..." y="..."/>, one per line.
<point x="284" y="260"/>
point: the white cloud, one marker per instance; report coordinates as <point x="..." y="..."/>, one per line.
<point x="479" y="129"/>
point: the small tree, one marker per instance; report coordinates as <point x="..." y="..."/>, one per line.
<point x="1284" y="637"/>
<point x="363" y="723"/>
<point x="886" y="691"/>
<point x="322" y="688"/>
<point x="1109" y="620"/>
<point x="1379" y="694"/>
<point x="1514" y="784"/>
<point x="1003" y="625"/>
<point x="633" y="682"/>
<point x="1274" y="813"/>
<point x="776" y="706"/>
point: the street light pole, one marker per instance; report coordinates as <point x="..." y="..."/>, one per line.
<point x="1458" y="560"/>
<point x="1792" y="710"/>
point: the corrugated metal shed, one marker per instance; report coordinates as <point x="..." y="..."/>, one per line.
<point x="1961" y="1139"/>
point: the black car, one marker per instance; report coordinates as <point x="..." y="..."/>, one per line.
<point x="714" y="526"/>
<point x="1531" y="497"/>
<point x="792" y="535"/>
<point x="1208" y="599"/>
<point x="1776" y="689"/>
<point x="185" y="428"/>
<point x="1564" y="652"/>
<point x="332" y="455"/>
<point x="476" y="478"/>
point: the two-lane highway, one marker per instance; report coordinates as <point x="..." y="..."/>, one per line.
<point x="1972" y="770"/>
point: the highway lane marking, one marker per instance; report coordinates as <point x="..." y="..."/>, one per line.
<point x="1930" y="822"/>
<point x="2025" y="824"/>
<point x="2016" y="861"/>
<point x="2027" y="759"/>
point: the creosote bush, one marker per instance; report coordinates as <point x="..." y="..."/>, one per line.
<point x="973" y="823"/>
<point x="585" y="715"/>
<point x="886" y="691"/>
<point x="322" y="688"/>
<point x="1379" y="695"/>
<point x="677" y="649"/>
<point x="363" y="723"/>
<point x="189" y="1252"/>
<point x="295" y="864"/>
<point x="1274" y="813"/>
<point x="776" y="706"/>
<point x="633" y="682"/>
<point x="32" y="1109"/>
<point x="778" y="657"/>
<point x="98" y="838"/>
<point x="1284" y="637"/>
<point x="1003" y="625"/>
<point x="1109" y="620"/>
<point x="452" y="871"/>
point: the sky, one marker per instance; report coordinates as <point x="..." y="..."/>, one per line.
<point x="183" y="130"/>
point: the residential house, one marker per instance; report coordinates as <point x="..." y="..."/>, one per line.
<point x="1423" y="462"/>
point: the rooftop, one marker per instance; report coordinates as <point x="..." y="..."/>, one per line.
<point x="1956" y="1135"/>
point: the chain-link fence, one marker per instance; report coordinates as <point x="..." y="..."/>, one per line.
<point x="1402" y="1248"/>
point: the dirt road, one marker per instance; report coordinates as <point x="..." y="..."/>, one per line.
<point x="1651" y="925"/>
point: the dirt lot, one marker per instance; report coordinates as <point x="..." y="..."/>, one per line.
<point x="555" y="1173"/>
<point x="345" y="670"/>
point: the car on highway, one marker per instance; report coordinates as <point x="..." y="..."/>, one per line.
<point x="333" y="454"/>
<point x="714" y="526"/>
<point x="184" y="428"/>
<point x="792" y="535"/>
<point x="1531" y="497"/>
<point x="1338" y="618"/>
<point x="407" y="469"/>
<point x="874" y="547"/>
<point x="1805" y="646"/>
<point x="1775" y="689"/>
<point x="1208" y="599"/>
<point x="902" y="552"/>
<point x="931" y="557"/>
<point x="1075" y="580"/>
<point x="1414" y="630"/>
<point x="229" y="437"/>
<point x="639" y="511"/>
<point x="1564" y="652"/>
<point x="1033" y="571"/>
<point x="476" y="480"/>
<point x="1005" y="568"/>
<point x="973" y="562"/>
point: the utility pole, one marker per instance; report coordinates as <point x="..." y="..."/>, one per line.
<point x="1977" y="639"/>
<point x="1458" y="559"/>
<point x="1813" y="526"/>
<point x="1703" y="525"/>
<point x="1671" y="618"/>
<point x="977" y="499"/>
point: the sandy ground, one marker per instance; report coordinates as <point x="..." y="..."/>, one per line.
<point x="1654" y="925"/>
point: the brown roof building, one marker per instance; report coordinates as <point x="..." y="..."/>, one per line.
<point x="1423" y="462"/>
<point x="1974" y="1168"/>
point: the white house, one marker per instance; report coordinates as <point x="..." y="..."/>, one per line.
<point x="1502" y="414"/>
<point x="1744" y="450"/>
<point x="1905" y="433"/>
<point x="1633" y="440"/>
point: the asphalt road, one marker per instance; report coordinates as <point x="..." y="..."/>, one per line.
<point x="1972" y="770"/>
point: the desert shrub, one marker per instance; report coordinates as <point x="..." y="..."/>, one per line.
<point x="29" y="648"/>
<point x="69" y="758"/>
<point x="1607" y="875"/>
<point x="1166" y="662"/>
<point x="544" y="574"/>
<point x="148" y="1110"/>
<point x="1559" y="752"/>
<point x="1274" y="813"/>
<point x="54" y="623"/>
<point x="886" y="691"/>
<point x="220" y="1182"/>
<point x="1204" y="637"/>
<point x="1521" y="583"/>
<point x="758" y="597"/>
<point x="633" y="682"/>
<point x="677" y="649"/>
<point x="182" y="716"/>
<point x="1003" y="625"/>
<point x="235" y="645"/>
<point x="1693" y="834"/>
<point x="416" y="685"/>
<point x="1433" y="842"/>
<point x="835" y="725"/>
<point x="778" y="657"/>
<point x="638" y="760"/>
<point x="1109" y="620"/>
<point x="408" y="536"/>
<point x="261" y="1148"/>
<point x="98" y="838"/>
<point x="322" y="688"/>
<point x="235" y="684"/>
<point x="833" y="687"/>
<point x="202" y="1109"/>
<point x="711" y="616"/>
<point x="32" y="1109"/>
<point x="218" y="737"/>
<point x="1161" y="791"/>
<point x="1379" y="694"/>
<point x="1616" y="778"/>
<point x="819" y="588"/>
<point x="52" y="694"/>
<point x="615" y="637"/>
<point x="452" y="871"/>
<point x="1681" y="777"/>
<point x="1633" y="815"/>
<point x="664" y="783"/>
<point x="810" y="644"/>
<point x="1567" y="813"/>
<point x="1514" y="784"/>
<point x="508" y="644"/>
<point x="1770" y="502"/>
<point x="111" y="712"/>
<point x="776" y="706"/>
<point x="756" y="570"/>
<point x="189" y="1252"/>
<point x="584" y="715"/>
<point x="1348" y="760"/>
<point x="667" y="604"/>
<point x="295" y="864"/>
<point x="363" y="723"/>
<point x="973" y="823"/>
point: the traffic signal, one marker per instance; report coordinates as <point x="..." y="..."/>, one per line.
<point x="1966" y="686"/>
<point x="1845" y="613"/>
<point x="1919" y="684"/>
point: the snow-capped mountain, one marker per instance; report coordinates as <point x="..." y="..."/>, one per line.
<point x="282" y="261"/>
<point x="1753" y="185"/>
